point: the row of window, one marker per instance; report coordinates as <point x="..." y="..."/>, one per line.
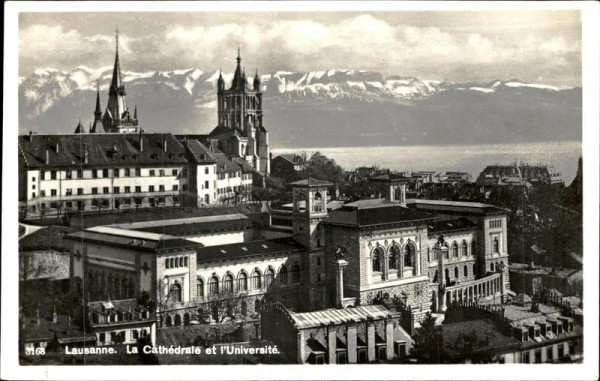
<point x="244" y="283"/>
<point x="116" y="172"/>
<point x="454" y="251"/>
<point x="106" y="203"/>
<point x="234" y="189"/>
<point x="549" y="354"/>
<point x="396" y="259"/>
<point x="495" y="224"/>
<point x="176" y="262"/>
<point x="115" y="190"/>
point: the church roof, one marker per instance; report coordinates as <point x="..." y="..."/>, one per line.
<point x="101" y="150"/>
<point x="239" y="77"/>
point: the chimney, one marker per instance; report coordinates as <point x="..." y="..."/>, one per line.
<point x="69" y="325"/>
<point x="85" y="154"/>
<point x="164" y="144"/>
<point x="141" y="141"/>
<point x="47" y="156"/>
<point x="54" y="316"/>
<point x="30" y="136"/>
<point x="57" y="148"/>
<point x="38" y="320"/>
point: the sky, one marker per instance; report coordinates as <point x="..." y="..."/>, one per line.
<point x="460" y="46"/>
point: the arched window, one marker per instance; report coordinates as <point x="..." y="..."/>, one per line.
<point x="466" y="271"/>
<point x="446" y="252"/>
<point x="186" y="319"/>
<point x="428" y="254"/>
<point x="447" y="273"/>
<point x="242" y="281"/>
<point x="473" y="246"/>
<point x="172" y="262"/>
<point x="269" y="276"/>
<point x="474" y="270"/>
<point x="168" y="321"/>
<point x="283" y="275"/>
<point x="296" y="273"/>
<point x="464" y="249"/>
<point x="228" y="284"/>
<point x="244" y="307"/>
<point x="199" y="287"/>
<point x="456" y="272"/>
<point x="185" y="261"/>
<point x="454" y="250"/>
<point x="394" y="258"/>
<point x="167" y="263"/>
<point x="377" y="255"/>
<point x="435" y="277"/>
<point x="177" y="320"/>
<point x="496" y="245"/>
<point x="176" y="293"/>
<point x="409" y="255"/>
<point x="256" y="283"/>
<point x="317" y="204"/>
<point x="491" y="267"/>
<point x="180" y="261"/>
<point x="213" y="286"/>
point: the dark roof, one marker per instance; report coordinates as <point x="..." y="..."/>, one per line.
<point x="246" y="167"/>
<point x="224" y="164"/>
<point x="457" y="207"/>
<point x="310" y="182"/>
<point x="47" y="330"/>
<point x="455" y="224"/>
<point x="133" y="239"/>
<point x="389" y="178"/>
<point x="248" y="249"/>
<point x="199" y="152"/>
<point x="103" y="150"/>
<point x="375" y="215"/>
<point x="483" y="328"/>
<point x="194" y="226"/>
<point x="223" y="132"/>
<point x="290" y="157"/>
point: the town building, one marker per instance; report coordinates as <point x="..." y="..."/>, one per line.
<point x="287" y="166"/>
<point x="540" y="174"/>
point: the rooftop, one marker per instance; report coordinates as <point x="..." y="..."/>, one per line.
<point x="371" y="214"/>
<point x="455" y="224"/>
<point x="311" y="182"/>
<point x="133" y="239"/>
<point x="339" y="316"/>
<point x="248" y="249"/>
<point x="190" y="226"/>
<point x="455" y="206"/>
<point x="47" y="151"/>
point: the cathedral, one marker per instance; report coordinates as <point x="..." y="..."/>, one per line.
<point x="240" y="132"/>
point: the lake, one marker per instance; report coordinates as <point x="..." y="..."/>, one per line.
<point x="470" y="158"/>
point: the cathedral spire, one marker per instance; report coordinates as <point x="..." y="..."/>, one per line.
<point x="135" y="112"/>
<point x="237" y="83"/>
<point x="98" y="111"/>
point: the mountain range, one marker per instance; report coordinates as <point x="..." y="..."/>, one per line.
<point x="317" y="109"/>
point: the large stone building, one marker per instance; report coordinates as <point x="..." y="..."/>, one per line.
<point x="211" y="268"/>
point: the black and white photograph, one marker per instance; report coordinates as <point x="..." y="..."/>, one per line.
<point x="388" y="184"/>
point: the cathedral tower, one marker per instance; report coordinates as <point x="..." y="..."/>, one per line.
<point x="117" y="117"/>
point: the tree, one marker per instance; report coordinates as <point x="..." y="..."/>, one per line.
<point x="323" y="168"/>
<point x="429" y="342"/>
<point x="224" y="307"/>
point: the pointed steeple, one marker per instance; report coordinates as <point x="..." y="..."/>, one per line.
<point x="256" y="81"/>
<point x="135" y="112"/>
<point x="98" y="111"/>
<point x="80" y="129"/>
<point x="220" y="82"/>
<point x="237" y="83"/>
<point x="92" y="128"/>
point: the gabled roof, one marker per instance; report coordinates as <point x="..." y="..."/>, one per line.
<point x="246" y="167"/>
<point x="103" y="150"/>
<point x="339" y="316"/>
<point x="200" y="153"/>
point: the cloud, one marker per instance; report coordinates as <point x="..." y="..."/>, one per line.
<point x="355" y="41"/>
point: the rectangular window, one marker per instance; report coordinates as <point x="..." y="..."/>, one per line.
<point x="526" y="357"/>
<point x="127" y="172"/>
<point x="32" y="194"/>
<point x="116" y="172"/>
<point x="549" y="353"/>
<point x="95" y="173"/>
<point x="175" y="200"/>
<point x="184" y="187"/>
<point x="42" y="175"/>
<point x="138" y="172"/>
<point x="152" y="173"/>
<point x="138" y="189"/>
<point x="138" y="201"/>
<point x="52" y="192"/>
<point x="52" y="175"/>
<point x="116" y="189"/>
<point x="206" y="171"/>
<point x="95" y="203"/>
<point x="174" y="172"/>
<point x="80" y="173"/>
<point x="206" y="185"/>
<point x="538" y="356"/>
<point x="69" y="192"/>
<point x="105" y="190"/>
<point x="69" y="204"/>
<point x="105" y="172"/>
<point x="127" y="189"/>
<point x="68" y="174"/>
<point x="161" y="188"/>
<point x="161" y="200"/>
<point x="161" y="172"/>
<point x="151" y="188"/>
<point x="79" y="191"/>
<point x="561" y="350"/>
<point x="175" y="187"/>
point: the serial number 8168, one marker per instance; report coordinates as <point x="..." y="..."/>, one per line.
<point x="35" y="351"/>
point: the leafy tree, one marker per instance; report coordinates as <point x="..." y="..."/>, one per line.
<point x="429" y="342"/>
<point x="321" y="167"/>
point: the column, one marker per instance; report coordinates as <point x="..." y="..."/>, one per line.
<point x="331" y="344"/>
<point x="389" y="338"/>
<point x="435" y="300"/>
<point x="153" y="334"/>
<point x="301" y="347"/>
<point x="351" y="343"/>
<point x="370" y="341"/>
<point x="339" y="284"/>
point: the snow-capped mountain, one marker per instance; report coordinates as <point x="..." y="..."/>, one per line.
<point x="320" y="104"/>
